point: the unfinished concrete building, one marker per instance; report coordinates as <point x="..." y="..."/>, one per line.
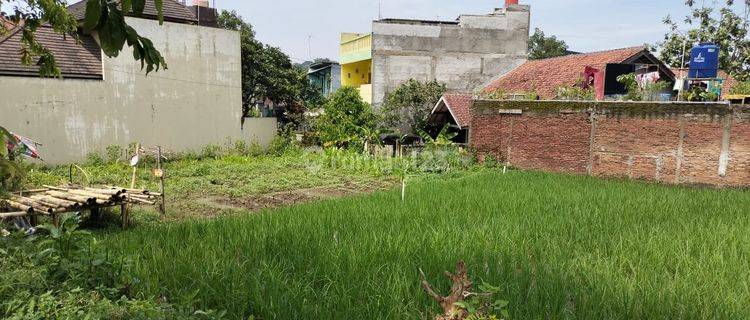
<point x="464" y="54"/>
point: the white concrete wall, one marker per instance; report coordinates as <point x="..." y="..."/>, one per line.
<point x="463" y="56"/>
<point x="196" y="102"/>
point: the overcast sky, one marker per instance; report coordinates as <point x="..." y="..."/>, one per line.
<point x="586" y="25"/>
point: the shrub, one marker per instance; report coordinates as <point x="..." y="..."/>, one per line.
<point x="283" y="143"/>
<point x="94" y="159"/>
<point x="346" y="121"/>
<point x="638" y="92"/>
<point x="63" y="273"/>
<point x="114" y="153"/>
<point x="407" y="108"/>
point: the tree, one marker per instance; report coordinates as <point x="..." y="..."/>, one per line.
<point x="542" y="47"/>
<point x="11" y="173"/>
<point x="406" y="109"/>
<point x="267" y="72"/>
<point x="347" y="120"/>
<point x="724" y="28"/>
<point x="105" y="17"/>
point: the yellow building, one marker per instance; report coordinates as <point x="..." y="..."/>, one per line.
<point x="355" y="57"/>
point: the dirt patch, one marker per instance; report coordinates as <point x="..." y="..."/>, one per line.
<point x="293" y="197"/>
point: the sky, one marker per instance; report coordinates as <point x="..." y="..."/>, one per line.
<point x="307" y="29"/>
<point x="311" y="28"/>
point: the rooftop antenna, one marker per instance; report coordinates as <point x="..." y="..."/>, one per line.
<point x="380" y="10"/>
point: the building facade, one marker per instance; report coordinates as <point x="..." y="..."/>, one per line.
<point x="326" y="76"/>
<point x="464" y="54"/>
<point x="102" y="101"/>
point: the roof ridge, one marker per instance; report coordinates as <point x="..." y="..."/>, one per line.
<point x="590" y="53"/>
<point x="11" y="33"/>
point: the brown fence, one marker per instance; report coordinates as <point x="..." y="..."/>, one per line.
<point x="681" y="143"/>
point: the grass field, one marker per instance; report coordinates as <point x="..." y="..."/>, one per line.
<point x="560" y="246"/>
<point x="198" y="187"/>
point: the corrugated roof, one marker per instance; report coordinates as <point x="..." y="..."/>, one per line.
<point x="546" y="75"/>
<point x="83" y="61"/>
<point x="173" y="11"/>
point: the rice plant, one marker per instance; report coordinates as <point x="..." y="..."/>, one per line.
<point x="558" y="246"/>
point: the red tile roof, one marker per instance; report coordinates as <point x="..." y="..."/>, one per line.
<point x="83" y="61"/>
<point x="459" y="105"/>
<point x="546" y="75"/>
<point x="173" y="11"/>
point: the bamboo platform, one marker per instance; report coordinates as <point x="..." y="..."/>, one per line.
<point x="54" y="201"/>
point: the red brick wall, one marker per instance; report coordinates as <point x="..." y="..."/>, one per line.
<point x="671" y="143"/>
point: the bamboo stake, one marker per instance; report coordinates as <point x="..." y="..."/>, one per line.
<point x="19" y="206"/>
<point x="90" y="194"/>
<point x="111" y="192"/>
<point x="56" y="188"/>
<point x="135" y="167"/>
<point x="34" y="204"/>
<point x="56" y="201"/>
<point x="140" y="201"/>
<point x="5" y="215"/>
<point x="162" y="205"/>
<point x="67" y="196"/>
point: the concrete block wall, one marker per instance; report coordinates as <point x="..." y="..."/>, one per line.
<point x="696" y="144"/>
<point x="463" y="55"/>
<point x="197" y="101"/>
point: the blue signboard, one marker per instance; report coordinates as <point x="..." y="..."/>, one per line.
<point x="704" y="61"/>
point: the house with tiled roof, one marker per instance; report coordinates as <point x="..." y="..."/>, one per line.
<point x="596" y="69"/>
<point x="101" y="101"/>
<point x="453" y="110"/>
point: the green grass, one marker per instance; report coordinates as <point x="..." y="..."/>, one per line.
<point x="560" y="246"/>
<point x="231" y="176"/>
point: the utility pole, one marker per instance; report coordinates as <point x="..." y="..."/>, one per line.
<point x="380" y="10"/>
<point x="309" y="47"/>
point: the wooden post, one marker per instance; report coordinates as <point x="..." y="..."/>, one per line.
<point x="162" y="205"/>
<point x="135" y="167"/>
<point x="56" y="220"/>
<point x="33" y="219"/>
<point x="124" y="214"/>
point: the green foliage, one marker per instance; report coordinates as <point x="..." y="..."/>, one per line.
<point x="114" y="153"/>
<point x="741" y="88"/>
<point x="64" y="273"/>
<point x="637" y="92"/>
<point x="443" y="139"/>
<point x="285" y="142"/>
<point x="698" y="94"/>
<point x="348" y="121"/>
<point x="542" y="47"/>
<point x="501" y="94"/>
<point x="407" y="107"/>
<point x="575" y="93"/>
<point x="484" y="304"/>
<point x="11" y="171"/>
<point x="104" y="17"/>
<point x="267" y="72"/>
<point x="564" y="247"/>
<point x="724" y="27"/>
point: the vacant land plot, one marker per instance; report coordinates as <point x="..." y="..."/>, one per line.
<point x="560" y="246"/>
<point x="214" y="186"/>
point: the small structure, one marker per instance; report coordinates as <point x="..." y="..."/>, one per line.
<point x="453" y="110"/>
<point x="326" y="76"/>
<point x="54" y="201"/>
<point x="597" y="69"/>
